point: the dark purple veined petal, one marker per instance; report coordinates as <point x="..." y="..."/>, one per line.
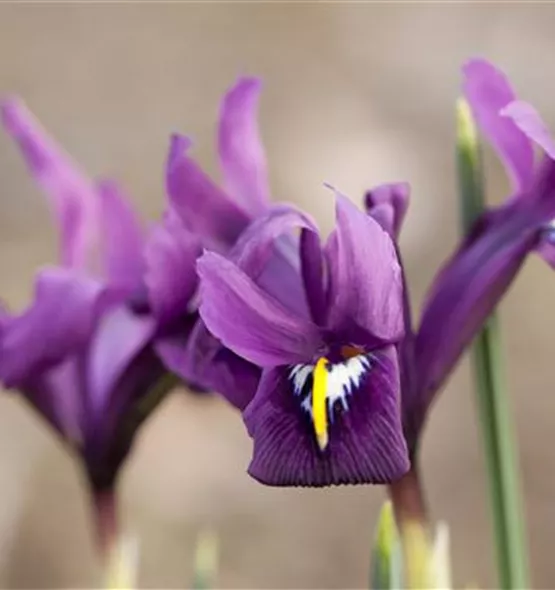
<point x="121" y="238"/>
<point x="58" y="323"/>
<point x="248" y="320"/>
<point x="202" y="207"/>
<point x="366" y="443"/>
<point x="171" y="279"/>
<point x="242" y="157"/>
<point x="365" y="282"/>
<point x="488" y="92"/>
<point x="71" y="194"/>
<point x="388" y="204"/>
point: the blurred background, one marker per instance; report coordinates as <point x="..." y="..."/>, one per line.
<point x="354" y="95"/>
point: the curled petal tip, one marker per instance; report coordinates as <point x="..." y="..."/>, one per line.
<point x="178" y="145"/>
<point x="245" y="84"/>
<point x="244" y="93"/>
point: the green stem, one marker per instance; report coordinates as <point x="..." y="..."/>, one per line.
<point x="493" y="407"/>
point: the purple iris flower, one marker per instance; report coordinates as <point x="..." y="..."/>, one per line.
<point x="327" y="408"/>
<point x="476" y="276"/>
<point x="83" y="352"/>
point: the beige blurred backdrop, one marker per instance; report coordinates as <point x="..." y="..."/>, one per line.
<point x="354" y="94"/>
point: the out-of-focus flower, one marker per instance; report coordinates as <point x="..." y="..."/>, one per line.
<point x="514" y="128"/>
<point x="477" y="275"/>
<point x="327" y="407"/>
<point x="217" y="217"/>
<point x="82" y="353"/>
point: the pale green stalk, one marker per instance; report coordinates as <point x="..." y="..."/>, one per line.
<point x="493" y="406"/>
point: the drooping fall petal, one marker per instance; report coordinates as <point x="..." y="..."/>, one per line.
<point x="366" y="443"/>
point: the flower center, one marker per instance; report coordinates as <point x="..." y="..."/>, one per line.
<point x="324" y="388"/>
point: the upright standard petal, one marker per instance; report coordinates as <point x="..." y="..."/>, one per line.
<point x="365" y="289"/>
<point x="122" y="241"/>
<point x="171" y="279"/>
<point x="267" y="251"/>
<point x="58" y="323"/>
<point x="71" y="195"/>
<point x="366" y="443"/>
<point x="529" y="121"/>
<point x="388" y="204"/>
<point x="488" y="92"/>
<point x="203" y="208"/>
<point x="241" y="153"/>
<point x="314" y="276"/>
<point x="247" y="320"/>
<point x="119" y="337"/>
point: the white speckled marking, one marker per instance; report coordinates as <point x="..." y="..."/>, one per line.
<point x="343" y="379"/>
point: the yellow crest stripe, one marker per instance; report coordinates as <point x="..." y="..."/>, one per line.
<point x="319" y="402"/>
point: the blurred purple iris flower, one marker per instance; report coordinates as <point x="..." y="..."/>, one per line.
<point x="514" y="128"/>
<point x="222" y="219"/>
<point x="83" y="352"/>
<point x="475" y="278"/>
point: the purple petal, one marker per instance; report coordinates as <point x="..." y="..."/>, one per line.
<point x="57" y="324"/>
<point x="473" y="282"/>
<point x="142" y="384"/>
<point x="365" y="277"/>
<point x="314" y="278"/>
<point x="55" y="393"/>
<point x="247" y="320"/>
<point x="241" y="153"/>
<point x="171" y="277"/>
<point x="118" y="340"/>
<point x="528" y="120"/>
<point x="200" y="359"/>
<point x="546" y="247"/>
<point x="488" y="92"/>
<point x="366" y="443"/>
<point x="202" y="207"/>
<point x="388" y="204"/>
<point x="70" y="193"/>
<point x="267" y="251"/>
<point x="122" y="238"/>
